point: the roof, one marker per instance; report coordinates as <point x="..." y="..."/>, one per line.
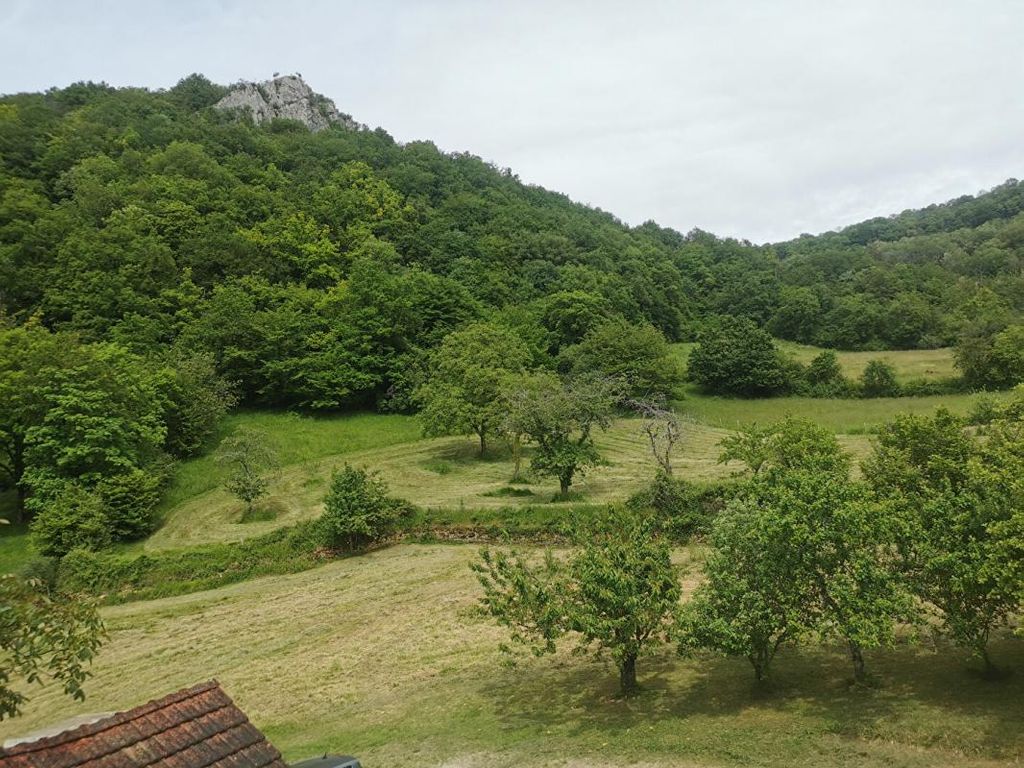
<point x="199" y="727"/>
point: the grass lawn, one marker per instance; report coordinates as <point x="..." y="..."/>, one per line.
<point x="436" y="474"/>
<point x="909" y="364"/>
<point x="386" y="657"/>
<point x="845" y="416"/>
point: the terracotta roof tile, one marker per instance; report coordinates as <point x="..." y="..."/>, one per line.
<point x="198" y="727"/>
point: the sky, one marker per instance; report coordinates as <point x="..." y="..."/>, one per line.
<point x="757" y="120"/>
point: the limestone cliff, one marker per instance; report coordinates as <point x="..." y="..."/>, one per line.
<point x="286" y="97"/>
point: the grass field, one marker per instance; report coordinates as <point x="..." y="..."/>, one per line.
<point x="386" y="657"/>
<point x="436" y="474"/>
<point x="909" y="364"/>
<point x="844" y="416"/>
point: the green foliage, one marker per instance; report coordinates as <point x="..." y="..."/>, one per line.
<point x="74" y="518"/>
<point x="960" y="503"/>
<point x="879" y="380"/>
<point x="197" y="399"/>
<point x="684" y="508"/>
<point x="249" y="459"/>
<point x="638" y="356"/>
<point x="786" y="445"/>
<point x="560" y="417"/>
<point x="121" y="577"/>
<point x="358" y="510"/>
<point x="749" y="603"/>
<point x="616" y="592"/>
<point x="461" y="395"/>
<point x="43" y="636"/>
<point x="993" y="359"/>
<point x="735" y="357"/>
<point x="824" y="377"/>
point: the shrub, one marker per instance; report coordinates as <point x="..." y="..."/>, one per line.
<point x="128" y="503"/>
<point x="735" y="357"/>
<point x="684" y="508"/>
<point x="879" y="380"/>
<point x="358" y="510"/>
<point x="73" y="519"/>
<point x="824" y="377"/>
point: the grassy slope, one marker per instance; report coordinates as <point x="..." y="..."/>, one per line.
<point x="385" y="656"/>
<point x="850" y="417"/>
<point x="909" y="364"/>
<point x="443" y="473"/>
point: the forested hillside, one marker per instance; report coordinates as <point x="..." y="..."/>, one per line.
<point x="162" y="260"/>
<point x="315" y="267"/>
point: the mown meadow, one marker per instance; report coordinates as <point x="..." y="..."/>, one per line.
<point x="388" y="657"/>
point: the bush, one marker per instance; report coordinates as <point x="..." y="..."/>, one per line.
<point x="879" y="380"/>
<point x="824" y="377"/>
<point x="358" y="510"/>
<point x="128" y="503"/>
<point x="685" y="509"/>
<point x="73" y="519"/>
<point x="735" y="357"/>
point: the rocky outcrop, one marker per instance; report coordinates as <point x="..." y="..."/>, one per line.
<point x="286" y="97"/>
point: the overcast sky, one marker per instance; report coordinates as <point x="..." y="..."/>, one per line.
<point x="759" y="120"/>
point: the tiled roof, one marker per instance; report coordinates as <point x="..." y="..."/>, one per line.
<point x="198" y="727"/>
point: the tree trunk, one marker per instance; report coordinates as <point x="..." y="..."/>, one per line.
<point x="990" y="668"/>
<point x="483" y="441"/>
<point x="517" y="457"/>
<point x="627" y="676"/>
<point x="19" y="509"/>
<point x="857" y="657"/>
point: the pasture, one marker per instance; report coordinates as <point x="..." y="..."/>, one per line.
<point x="910" y="364"/>
<point x="387" y="657"/>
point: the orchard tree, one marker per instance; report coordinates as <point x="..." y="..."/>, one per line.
<point x="789" y="444"/>
<point x="616" y="592"/>
<point x="560" y="418"/>
<point x="734" y="356"/>
<point x="43" y="636"/>
<point x="845" y="547"/>
<point x="751" y="601"/>
<point x="960" y="504"/>
<point x="462" y="393"/>
<point x="249" y="460"/>
<point x="663" y="429"/>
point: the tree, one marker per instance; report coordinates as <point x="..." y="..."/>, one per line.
<point x="358" y="510"/>
<point x="735" y="357"/>
<point x="845" y="547"/>
<point x="750" y="602"/>
<point x="560" y="417"/>
<point x="824" y="376"/>
<point x="879" y="380"/>
<point x="637" y="355"/>
<point x="248" y="459"/>
<point x="959" y="502"/>
<point x="462" y="394"/>
<point x="663" y="429"/>
<point x="97" y="415"/>
<point x="42" y="636"/>
<point x="616" y="592"/>
<point x="198" y="398"/>
<point x="28" y="356"/>
<point x="786" y="445"/>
